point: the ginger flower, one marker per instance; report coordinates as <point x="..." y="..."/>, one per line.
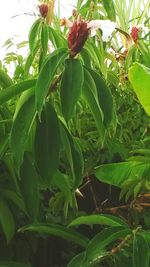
<point x="79" y="30"/>
<point x="134" y="33"/>
<point x="135" y="30"/>
<point x="43" y="9"/>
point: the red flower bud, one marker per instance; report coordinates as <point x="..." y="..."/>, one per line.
<point x="134" y="33"/>
<point x="43" y="8"/>
<point x="77" y="37"/>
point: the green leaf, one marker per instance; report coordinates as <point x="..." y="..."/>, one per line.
<point x="96" y="248"/>
<point x="110" y="9"/>
<point x="13" y="264"/>
<point x="104" y="97"/>
<point x="91" y="97"/>
<point x="15" y="198"/>
<point x="30" y="187"/>
<point x="47" y="143"/>
<point x="20" y="130"/>
<point x="65" y="144"/>
<point x="118" y="173"/>
<point x="139" y="77"/>
<point x="58" y="230"/>
<point x="98" y="219"/>
<point x="6" y="220"/>
<point x="74" y="155"/>
<point x="56" y="38"/>
<point x="140" y="251"/>
<point x="44" y="38"/>
<point x="86" y="57"/>
<point x="77" y="260"/>
<point x="146" y="235"/>
<point x="71" y="86"/>
<point x="78" y="162"/>
<point x="46" y="76"/>
<point x="34" y="33"/>
<point x="122" y="260"/>
<point x="4" y="144"/>
<point x="16" y="89"/>
<point x="5" y="80"/>
<point x="61" y="181"/>
<point x="30" y="59"/>
<point x="22" y="99"/>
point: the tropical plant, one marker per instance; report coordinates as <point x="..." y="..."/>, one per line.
<point x="74" y="117"/>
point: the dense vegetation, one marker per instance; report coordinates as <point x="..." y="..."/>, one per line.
<point x="74" y="139"/>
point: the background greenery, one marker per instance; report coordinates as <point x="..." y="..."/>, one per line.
<point x="74" y="144"/>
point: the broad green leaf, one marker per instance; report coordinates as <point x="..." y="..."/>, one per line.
<point x="34" y="33"/>
<point x="118" y="173"/>
<point x="78" y="162"/>
<point x="47" y="144"/>
<point x="20" y="130"/>
<point x="5" y="80"/>
<point x="110" y="9"/>
<point x="146" y="235"/>
<point x="91" y="97"/>
<point x="74" y="155"/>
<point x="98" y="219"/>
<point x="22" y="99"/>
<point x="14" y="264"/>
<point x="16" y="89"/>
<point x="104" y="97"/>
<point x="86" y="57"/>
<point x="58" y="230"/>
<point x="4" y="144"/>
<point x="6" y="220"/>
<point x="122" y="260"/>
<point x="139" y="76"/>
<point x="92" y="51"/>
<point x="30" y="58"/>
<point x="140" y="251"/>
<point x="44" y="38"/>
<point x="46" y="76"/>
<point x="97" y="246"/>
<point x="15" y="198"/>
<point x="71" y="86"/>
<point x="61" y="181"/>
<point x="65" y="144"/>
<point x="77" y="260"/>
<point x="30" y="187"/>
<point x="56" y="38"/>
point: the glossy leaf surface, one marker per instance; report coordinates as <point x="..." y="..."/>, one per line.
<point x="71" y="86"/>
<point x="16" y="89"/>
<point x="6" y="220"/>
<point x="96" y="248"/>
<point x="91" y="97"/>
<point x="97" y="219"/>
<point x="47" y="144"/>
<point x="104" y="97"/>
<point x="30" y="187"/>
<point x="46" y="76"/>
<point x="139" y="76"/>
<point x="20" y="130"/>
<point x="59" y="231"/>
<point x="140" y="251"/>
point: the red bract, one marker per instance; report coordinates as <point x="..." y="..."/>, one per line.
<point x="43" y="10"/>
<point x="134" y="33"/>
<point x="77" y="37"/>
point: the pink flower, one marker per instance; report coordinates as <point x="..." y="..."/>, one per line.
<point x="79" y="31"/>
<point x="43" y="8"/>
<point x="77" y="37"/>
<point x="135" y="33"/>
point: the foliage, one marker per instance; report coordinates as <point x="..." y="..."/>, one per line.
<point x="70" y="125"/>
